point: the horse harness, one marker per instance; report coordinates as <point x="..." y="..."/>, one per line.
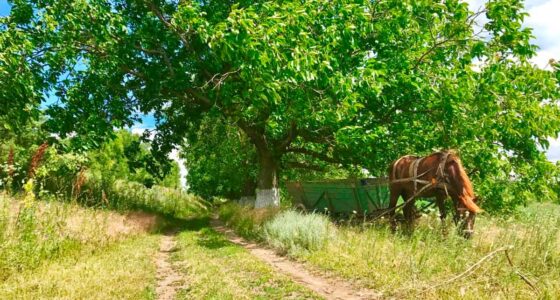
<point x="441" y="179"/>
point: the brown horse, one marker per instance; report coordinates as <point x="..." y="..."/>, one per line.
<point x="438" y="175"/>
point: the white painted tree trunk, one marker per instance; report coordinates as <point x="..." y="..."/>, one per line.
<point x="267" y="198"/>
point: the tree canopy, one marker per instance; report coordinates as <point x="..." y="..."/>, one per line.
<point x="347" y="82"/>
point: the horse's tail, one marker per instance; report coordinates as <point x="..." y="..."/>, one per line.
<point x="463" y="186"/>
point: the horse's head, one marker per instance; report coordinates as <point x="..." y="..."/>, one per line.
<point x="467" y="220"/>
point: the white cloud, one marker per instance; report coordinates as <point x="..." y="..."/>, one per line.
<point x="543" y="18"/>
<point x="553" y="152"/>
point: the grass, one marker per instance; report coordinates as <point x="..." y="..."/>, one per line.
<point x="411" y="266"/>
<point x="32" y="231"/>
<point x="218" y="269"/>
<point x="122" y="270"/>
<point x="128" y="195"/>
<point x="246" y="222"/>
<point x="62" y="250"/>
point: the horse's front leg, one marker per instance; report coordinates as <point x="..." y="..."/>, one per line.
<point x="409" y="211"/>
<point x="440" y="202"/>
<point x="395" y="192"/>
<point x="456" y="214"/>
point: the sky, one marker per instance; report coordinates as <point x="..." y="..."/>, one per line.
<point x="544" y="18"/>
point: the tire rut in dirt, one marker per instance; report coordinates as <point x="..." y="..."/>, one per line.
<point x="329" y="288"/>
<point x="169" y="280"/>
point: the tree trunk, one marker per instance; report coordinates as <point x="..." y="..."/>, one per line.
<point x="267" y="183"/>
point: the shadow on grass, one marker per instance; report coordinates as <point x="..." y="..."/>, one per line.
<point x="175" y="225"/>
<point x="211" y="239"/>
<point x="206" y="236"/>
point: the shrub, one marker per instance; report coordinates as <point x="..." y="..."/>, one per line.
<point x="288" y="231"/>
<point x="246" y="221"/>
<point x="293" y="232"/>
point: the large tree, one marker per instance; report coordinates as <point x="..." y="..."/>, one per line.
<point x="341" y="81"/>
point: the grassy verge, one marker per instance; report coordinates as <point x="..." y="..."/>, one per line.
<point x="218" y="269"/>
<point x="409" y="266"/>
<point x="161" y="200"/>
<point x="34" y="231"/>
<point x="123" y="270"/>
<point x="62" y="250"/>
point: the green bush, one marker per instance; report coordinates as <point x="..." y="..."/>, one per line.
<point x="246" y="221"/>
<point x="167" y="201"/>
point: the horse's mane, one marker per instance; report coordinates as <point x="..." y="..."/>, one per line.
<point x="463" y="183"/>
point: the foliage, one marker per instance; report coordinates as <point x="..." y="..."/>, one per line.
<point x="20" y="80"/>
<point x="221" y="161"/>
<point x="125" y="157"/>
<point x="347" y="81"/>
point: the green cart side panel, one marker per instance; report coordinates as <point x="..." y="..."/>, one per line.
<point x="342" y="196"/>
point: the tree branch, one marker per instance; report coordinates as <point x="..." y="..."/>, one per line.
<point x="320" y="136"/>
<point x="167" y="24"/>
<point x="314" y="154"/>
<point x="471" y="19"/>
<point x="292" y="134"/>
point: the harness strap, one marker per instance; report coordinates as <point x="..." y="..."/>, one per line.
<point x="415" y="171"/>
<point x="440" y="172"/>
<point x="396" y="164"/>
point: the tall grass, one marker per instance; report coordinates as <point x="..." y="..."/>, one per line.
<point x="167" y="201"/>
<point x="33" y="231"/>
<point x="30" y="233"/>
<point x="411" y="266"/>
<point x="246" y="221"/>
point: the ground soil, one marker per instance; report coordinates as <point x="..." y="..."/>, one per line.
<point x="169" y="280"/>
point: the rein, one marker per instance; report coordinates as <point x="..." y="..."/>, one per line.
<point x="439" y="182"/>
<point x="404" y="203"/>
